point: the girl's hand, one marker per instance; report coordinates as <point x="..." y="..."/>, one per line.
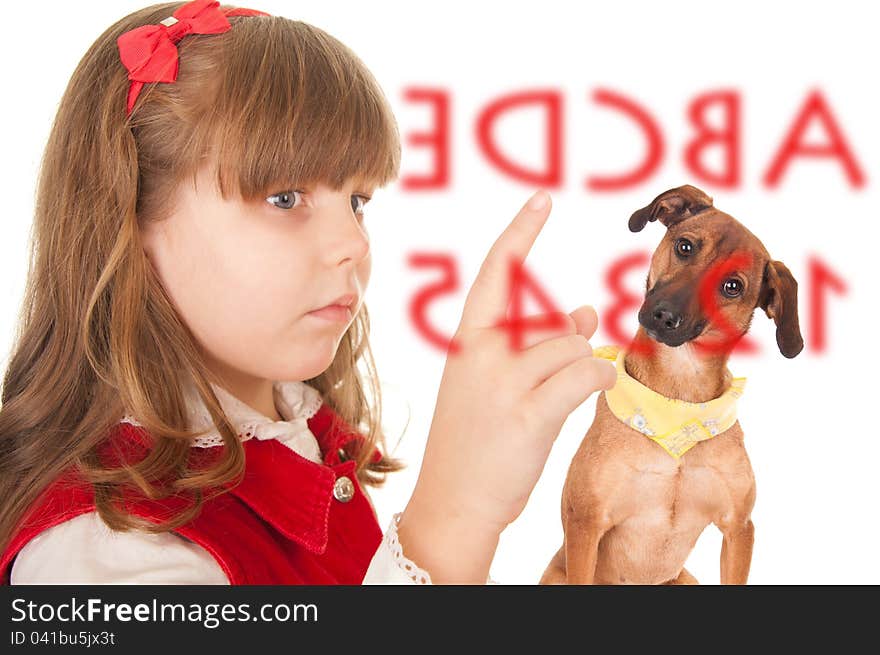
<point x="498" y="413"/>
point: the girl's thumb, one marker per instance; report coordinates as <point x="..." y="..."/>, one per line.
<point x="586" y="320"/>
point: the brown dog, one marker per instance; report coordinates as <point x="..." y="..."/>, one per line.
<point x="631" y="512"/>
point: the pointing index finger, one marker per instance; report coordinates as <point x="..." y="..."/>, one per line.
<point x="488" y="297"/>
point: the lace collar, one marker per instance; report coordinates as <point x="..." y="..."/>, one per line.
<point x="295" y="401"/>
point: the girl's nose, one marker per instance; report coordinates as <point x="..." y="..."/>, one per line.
<point x="347" y="239"/>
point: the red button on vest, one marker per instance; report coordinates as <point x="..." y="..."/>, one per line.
<point x="287" y="522"/>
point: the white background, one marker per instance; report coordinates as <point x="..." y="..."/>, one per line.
<point x="811" y="423"/>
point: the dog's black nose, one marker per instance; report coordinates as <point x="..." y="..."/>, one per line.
<point x="664" y="319"/>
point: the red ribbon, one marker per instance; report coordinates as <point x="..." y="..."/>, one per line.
<point x="150" y="52"/>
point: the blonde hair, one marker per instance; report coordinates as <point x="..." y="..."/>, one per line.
<point x="276" y="103"/>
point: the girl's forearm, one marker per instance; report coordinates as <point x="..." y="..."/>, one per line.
<point x="449" y="546"/>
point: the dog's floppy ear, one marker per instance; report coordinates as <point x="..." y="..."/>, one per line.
<point x="778" y="298"/>
<point x="670" y="207"/>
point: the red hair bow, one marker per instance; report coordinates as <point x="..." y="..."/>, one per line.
<point x="150" y="52"/>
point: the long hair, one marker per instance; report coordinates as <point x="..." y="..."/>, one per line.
<point x="273" y="101"/>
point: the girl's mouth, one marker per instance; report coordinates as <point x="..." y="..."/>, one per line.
<point x="339" y="313"/>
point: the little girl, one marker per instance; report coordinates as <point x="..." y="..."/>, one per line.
<point x="191" y="397"/>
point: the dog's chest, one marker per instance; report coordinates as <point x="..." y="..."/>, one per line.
<point x="659" y="512"/>
<point x="669" y="493"/>
<point x="643" y="485"/>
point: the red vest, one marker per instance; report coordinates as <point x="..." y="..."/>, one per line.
<point x="283" y="524"/>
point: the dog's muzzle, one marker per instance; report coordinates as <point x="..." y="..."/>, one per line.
<point x="665" y="323"/>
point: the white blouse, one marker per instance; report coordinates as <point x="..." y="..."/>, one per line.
<point x="84" y="550"/>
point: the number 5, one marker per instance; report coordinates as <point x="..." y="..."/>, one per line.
<point x="418" y="307"/>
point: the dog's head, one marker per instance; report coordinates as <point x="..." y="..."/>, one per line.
<point x="709" y="274"/>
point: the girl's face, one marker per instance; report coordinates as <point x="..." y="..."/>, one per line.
<point x="247" y="277"/>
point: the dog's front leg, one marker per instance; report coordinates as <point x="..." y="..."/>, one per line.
<point x="582" y="538"/>
<point x="736" y="551"/>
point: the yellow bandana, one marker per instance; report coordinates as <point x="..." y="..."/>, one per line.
<point x="676" y="425"/>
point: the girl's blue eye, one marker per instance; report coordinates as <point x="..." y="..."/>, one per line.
<point x="358" y="207"/>
<point x="284" y="200"/>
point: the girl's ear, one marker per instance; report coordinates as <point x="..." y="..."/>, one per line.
<point x="778" y="299"/>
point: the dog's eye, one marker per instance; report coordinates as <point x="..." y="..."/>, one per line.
<point x="684" y="248"/>
<point x="732" y="287"/>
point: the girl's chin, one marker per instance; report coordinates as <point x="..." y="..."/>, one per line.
<point x="314" y="361"/>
